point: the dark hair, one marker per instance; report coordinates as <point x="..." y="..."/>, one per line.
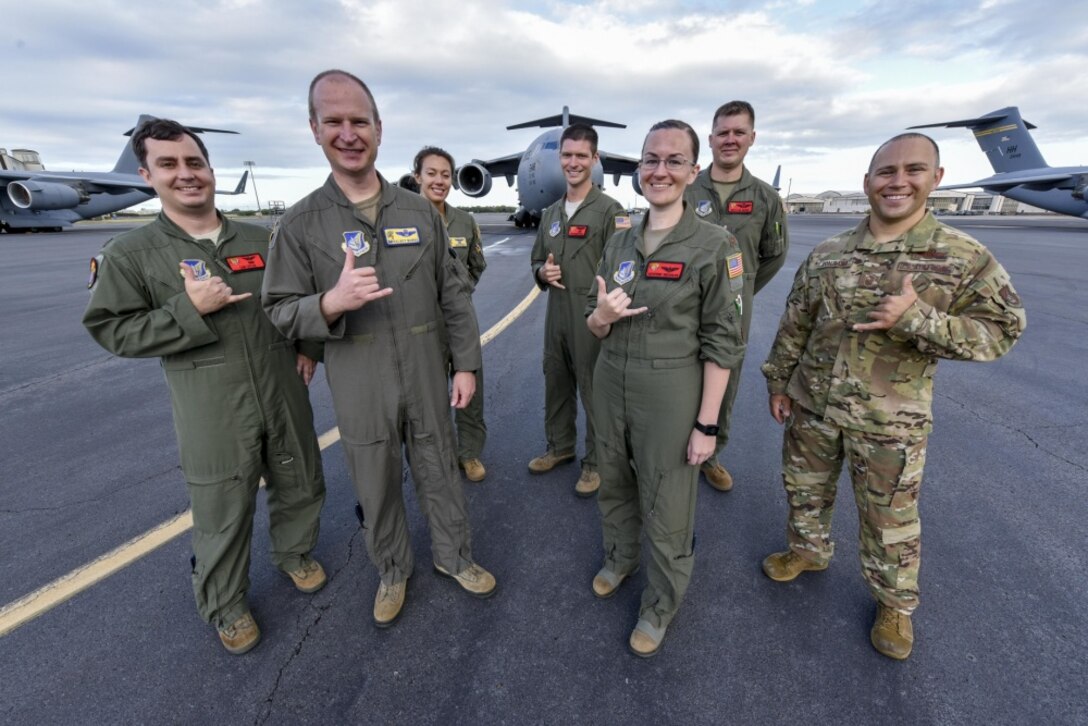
<point x="681" y="126"/>
<point x="907" y="135"/>
<point x="734" y="108"/>
<point x="417" y="163"/>
<point x="580" y="132"/>
<point x="343" y="74"/>
<point x="162" y="129"/>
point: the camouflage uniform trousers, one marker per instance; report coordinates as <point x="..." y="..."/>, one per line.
<point x="886" y="472"/>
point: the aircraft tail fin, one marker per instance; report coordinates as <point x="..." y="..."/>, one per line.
<point x="777" y="178"/>
<point x="1004" y="137"/>
<point x="565" y="119"/>
<point x="240" y="188"/>
<point x="127" y="163"/>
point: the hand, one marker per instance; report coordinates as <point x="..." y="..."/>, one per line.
<point x="891" y="308"/>
<point x="781" y="407"/>
<point x="305" y="367"/>
<point x="354" y="289"/>
<point x="550" y="274"/>
<point x="209" y="295"/>
<point x="700" y="447"/>
<point x="612" y="306"/>
<point x="464" y="387"/>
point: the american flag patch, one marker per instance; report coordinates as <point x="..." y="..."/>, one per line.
<point x="735" y="265"/>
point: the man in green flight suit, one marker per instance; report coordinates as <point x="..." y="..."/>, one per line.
<point x="366" y="267"/>
<point x="850" y="373"/>
<point x="568" y="247"/>
<point x="183" y="288"/>
<point x="727" y="195"/>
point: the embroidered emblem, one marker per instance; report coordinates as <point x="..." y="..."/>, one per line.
<point x="625" y="273"/>
<point x="356" y="242"/>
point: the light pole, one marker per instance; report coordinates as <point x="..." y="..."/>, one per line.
<point x="249" y="165"/>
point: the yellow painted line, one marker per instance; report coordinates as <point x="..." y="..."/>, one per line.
<point x="45" y="598"/>
<point x="997" y="130"/>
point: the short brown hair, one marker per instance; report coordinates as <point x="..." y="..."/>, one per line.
<point x="162" y="129"/>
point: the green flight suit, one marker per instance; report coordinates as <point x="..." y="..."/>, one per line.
<point x="570" y="350"/>
<point x="866" y="396"/>
<point x="387" y="362"/>
<point x="465" y="243"/>
<point x="647" y="392"/>
<point x="755" y="216"/>
<point x="240" y="408"/>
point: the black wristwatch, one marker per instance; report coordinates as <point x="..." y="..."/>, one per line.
<point x="711" y="430"/>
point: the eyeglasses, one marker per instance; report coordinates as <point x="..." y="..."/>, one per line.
<point x="673" y="163"/>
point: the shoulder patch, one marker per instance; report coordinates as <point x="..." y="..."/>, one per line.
<point x="623" y="222"/>
<point x="92" y="279"/>
<point x="734" y="264"/>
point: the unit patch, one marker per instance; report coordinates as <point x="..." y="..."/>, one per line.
<point x="401" y="236"/>
<point x="458" y="242"/>
<point x="703" y="207"/>
<point x="623" y="222"/>
<point x="241" y="263"/>
<point x="577" y="230"/>
<point x="739" y="208"/>
<point x="735" y="265"/>
<point x="356" y="242"/>
<point x="93" y="278"/>
<point x="555" y="229"/>
<point x="199" y="268"/>
<point x="625" y="273"/>
<point x="665" y="270"/>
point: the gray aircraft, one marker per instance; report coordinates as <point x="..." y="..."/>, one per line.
<point x="539" y="174"/>
<point x="1022" y="174"/>
<point x="39" y="200"/>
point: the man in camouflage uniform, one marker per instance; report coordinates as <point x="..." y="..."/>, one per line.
<point x="727" y="195"/>
<point x="851" y="373"/>
<point x="568" y="247"/>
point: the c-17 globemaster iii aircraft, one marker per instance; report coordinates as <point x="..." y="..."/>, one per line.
<point x="39" y="200"/>
<point x="1021" y="172"/>
<point x="539" y="174"/>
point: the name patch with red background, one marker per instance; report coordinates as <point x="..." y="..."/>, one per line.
<point x="241" y="263"/>
<point x="577" y="230"/>
<point x="665" y="270"/>
<point x="739" y="207"/>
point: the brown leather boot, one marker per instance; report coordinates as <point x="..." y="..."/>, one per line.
<point x="388" y="602"/>
<point x="892" y="634"/>
<point x="310" y="576"/>
<point x="588" y="484"/>
<point x="548" y="461"/>
<point x="474" y="469"/>
<point x="241" y="636"/>
<point x="717" y="476"/>
<point x="786" y="566"/>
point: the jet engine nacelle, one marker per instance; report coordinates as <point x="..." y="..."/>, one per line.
<point x="1080" y="189"/>
<point x="43" y="195"/>
<point x="636" y="184"/>
<point x="474" y="180"/>
<point x="408" y="182"/>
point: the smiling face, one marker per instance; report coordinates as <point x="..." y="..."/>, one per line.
<point x="661" y="186"/>
<point x="900" y="179"/>
<point x="180" y="175"/>
<point x="346" y="127"/>
<point x="730" y="140"/>
<point x="577" y="158"/>
<point x="435" y="178"/>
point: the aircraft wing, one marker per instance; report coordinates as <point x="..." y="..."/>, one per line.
<point x="616" y="164"/>
<point x="1004" y="182"/>
<point x="502" y="166"/>
<point x="91" y="182"/>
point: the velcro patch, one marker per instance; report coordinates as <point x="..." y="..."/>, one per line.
<point x="241" y="263"/>
<point x="665" y="270"/>
<point x="401" y="236"/>
<point x="924" y="267"/>
<point x="577" y="230"/>
<point x="735" y="265"/>
<point x="739" y="207"/>
<point x="824" y="264"/>
<point x="623" y="222"/>
<point x="458" y="242"/>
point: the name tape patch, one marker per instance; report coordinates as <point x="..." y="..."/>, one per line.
<point x="739" y="208"/>
<point x="665" y="270"/>
<point x="401" y="236"/>
<point x="458" y="242"/>
<point x="241" y="263"/>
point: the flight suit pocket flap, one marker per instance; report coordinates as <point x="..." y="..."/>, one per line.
<point x="182" y="365"/>
<point x="675" y="362"/>
<point x="424" y="328"/>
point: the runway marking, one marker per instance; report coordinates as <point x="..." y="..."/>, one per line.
<point x="64" y="588"/>
<point x="496" y="244"/>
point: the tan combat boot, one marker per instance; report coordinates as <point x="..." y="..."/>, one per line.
<point x="474" y="469"/>
<point x="310" y="576"/>
<point x="606" y="582"/>
<point x="388" y="602"/>
<point x="646" y="640"/>
<point x="241" y="636"/>
<point x="549" y="461"/>
<point x="892" y="634"/>
<point x="786" y="566"/>
<point x="588" y="484"/>
<point x="717" y="476"/>
<point x="474" y="580"/>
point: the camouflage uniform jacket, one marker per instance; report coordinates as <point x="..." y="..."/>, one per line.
<point x="881" y="381"/>
<point x="465" y="241"/>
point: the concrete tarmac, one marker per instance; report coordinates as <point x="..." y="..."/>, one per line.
<point x="90" y="461"/>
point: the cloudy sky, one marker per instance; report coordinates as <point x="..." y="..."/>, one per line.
<point x="829" y="79"/>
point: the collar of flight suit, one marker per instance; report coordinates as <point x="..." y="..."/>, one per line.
<point x="703" y="180"/>
<point x="917" y="237"/>
<point x="335" y="194"/>
<point x="171" y="228"/>
<point x="590" y="198"/>
<point x="685" y="228"/>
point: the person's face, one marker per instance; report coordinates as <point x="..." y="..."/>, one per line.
<point x="900" y="180"/>
<point x="662" y="186"/>
<point x="435" y="178"/>
<point x="345" y="126"/>
<point x="180" y="175"/>
<point x="730" y="140"/>
<point x="577" y="159"/>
